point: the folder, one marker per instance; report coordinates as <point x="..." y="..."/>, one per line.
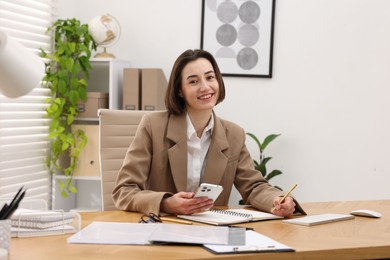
<point x="154" y="85"/>
<point x="131" y="88"/>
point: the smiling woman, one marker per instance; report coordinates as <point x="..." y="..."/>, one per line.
<point x="174" y="151"/>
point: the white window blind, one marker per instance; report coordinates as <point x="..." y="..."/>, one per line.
<point x="23" y="123"/>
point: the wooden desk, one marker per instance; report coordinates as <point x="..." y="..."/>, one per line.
<point x="361" y="238"/>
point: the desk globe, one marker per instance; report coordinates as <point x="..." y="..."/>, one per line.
<point x="105" y="30"/>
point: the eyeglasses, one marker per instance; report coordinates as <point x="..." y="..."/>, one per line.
<point x="150" y="218"/>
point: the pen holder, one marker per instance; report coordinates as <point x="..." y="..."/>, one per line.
<point x="5" y="233"/>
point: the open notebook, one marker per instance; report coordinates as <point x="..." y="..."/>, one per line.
<point x="231" y="216"/>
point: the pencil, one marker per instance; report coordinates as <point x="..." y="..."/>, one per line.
<point x="288" y="193"/>
<point x="176" y="220"/>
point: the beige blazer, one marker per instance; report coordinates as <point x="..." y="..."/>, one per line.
<point x="156" y="165"/>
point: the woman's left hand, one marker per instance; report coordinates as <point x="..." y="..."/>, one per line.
<point x="284" y="209"/>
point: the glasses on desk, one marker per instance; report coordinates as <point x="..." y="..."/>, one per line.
<point x="150" y="218"/>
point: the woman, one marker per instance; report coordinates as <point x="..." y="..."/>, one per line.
<point x="176" y="150"/>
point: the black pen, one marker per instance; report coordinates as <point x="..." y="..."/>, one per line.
<point x="3" y="210"/>
<point x="7" y="207"/>
<point x="16" y="196"/>
<point x="14" y="204"/>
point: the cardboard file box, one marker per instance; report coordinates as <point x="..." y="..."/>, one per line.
<point x="144" y="89"/>
<point x="95" y="100"/>
<point x="154" y="85"/>
<point x="89" y="163"/>
<point x="131" y="89"/>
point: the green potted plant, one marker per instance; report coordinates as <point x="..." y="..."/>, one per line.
<point x="261" y="164"/>
<point x="67" y="71"/>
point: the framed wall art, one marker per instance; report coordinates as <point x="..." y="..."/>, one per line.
<point x="239" y="33"/>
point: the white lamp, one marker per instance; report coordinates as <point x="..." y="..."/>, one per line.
<point x="20" y="69"/>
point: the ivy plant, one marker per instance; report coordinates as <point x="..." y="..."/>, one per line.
<point x="261" y="164"/>
<point x="67" y="72"/>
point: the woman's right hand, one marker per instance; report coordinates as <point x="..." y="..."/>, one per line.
<point x="184" y="203"/>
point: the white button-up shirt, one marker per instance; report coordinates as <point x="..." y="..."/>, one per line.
<point x="196" y="153"/>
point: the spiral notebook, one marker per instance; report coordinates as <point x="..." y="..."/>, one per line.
<point x="232" y="216"/>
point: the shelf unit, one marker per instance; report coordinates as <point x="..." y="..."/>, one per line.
<point x="105" y="76"/>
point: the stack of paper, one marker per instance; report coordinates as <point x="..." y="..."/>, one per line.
<point x="145" y="234"/>
<point x="27" y="222"/>
<point x="217" y="239"/>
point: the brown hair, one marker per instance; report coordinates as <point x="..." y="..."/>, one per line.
<point x="173" y="102"/>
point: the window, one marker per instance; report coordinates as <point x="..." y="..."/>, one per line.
<point x="23" y="123"/>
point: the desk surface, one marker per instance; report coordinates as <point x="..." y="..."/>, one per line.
<point x="361" y="238"/>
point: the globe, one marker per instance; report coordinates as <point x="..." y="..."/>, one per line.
<point x="105" y="30"/>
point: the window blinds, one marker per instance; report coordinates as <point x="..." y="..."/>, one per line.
<point x="23" y="123"/>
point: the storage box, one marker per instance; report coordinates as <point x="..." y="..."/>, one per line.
<point x="95" y="100"/>
<point x="88" y="161"/>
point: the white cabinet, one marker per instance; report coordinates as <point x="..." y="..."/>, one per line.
<point x="106" y="76"/>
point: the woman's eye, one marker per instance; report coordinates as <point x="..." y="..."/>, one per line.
<point x="210" y="77"/>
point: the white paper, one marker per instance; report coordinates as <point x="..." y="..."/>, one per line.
<point x="143" y="234"/>
<point x="190" y="234"/>
<point x="114" y="233"/>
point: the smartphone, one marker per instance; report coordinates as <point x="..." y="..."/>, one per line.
<point x="208" y="190"/>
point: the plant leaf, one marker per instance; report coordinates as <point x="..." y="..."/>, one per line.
<point x="255" y="139"/>
<point x="268" y="140"/>
<point x="273" y="173"/>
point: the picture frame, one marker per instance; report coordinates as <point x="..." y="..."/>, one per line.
<point x="239" y="34"/>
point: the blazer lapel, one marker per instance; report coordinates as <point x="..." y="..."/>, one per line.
<point x="216" y="159"/>
<point x="177" y="154"/>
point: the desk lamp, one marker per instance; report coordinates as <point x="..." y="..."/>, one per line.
<point x="20" y="69"/>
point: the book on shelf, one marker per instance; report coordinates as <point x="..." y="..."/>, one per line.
<point x="230" y="216"/>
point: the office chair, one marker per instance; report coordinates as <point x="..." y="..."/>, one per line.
<point x="116" y="131"/>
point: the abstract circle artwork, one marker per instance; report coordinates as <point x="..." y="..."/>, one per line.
<point x="239" y="33"/>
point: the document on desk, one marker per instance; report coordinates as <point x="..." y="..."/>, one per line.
<point x="113" y="233"/>
<point x="146" y="234"/>
<point x="254" y="242"/>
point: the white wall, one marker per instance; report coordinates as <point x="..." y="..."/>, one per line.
<point x="328" y="97"/>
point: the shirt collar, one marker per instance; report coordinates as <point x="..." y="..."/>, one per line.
<point x="191" y="130"/>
